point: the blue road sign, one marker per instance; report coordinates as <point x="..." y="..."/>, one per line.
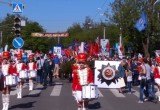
<point x="17" y="8"/>
<point x="18" y="42"/>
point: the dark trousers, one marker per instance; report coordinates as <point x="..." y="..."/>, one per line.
<point x="142" y="89"/>
<point x="50" y="77"/>
<point x="135" y="79"/>
<point x="129" y="84"/>
<point x="150" y="93"/>
<point x="38" y="76"/>
<point x="40" y="73"/>
<point x="45" y="75"/>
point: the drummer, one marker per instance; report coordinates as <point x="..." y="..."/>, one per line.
<point x="20" y="66"/>
<point x="5" y="89"/>
<point x="81" y="76"/>
<point x="31" y="66"/>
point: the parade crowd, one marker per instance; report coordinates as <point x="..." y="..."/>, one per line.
<point x="22" y="67"/>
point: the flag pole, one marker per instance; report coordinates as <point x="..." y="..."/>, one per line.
<point x="104" y="33"/>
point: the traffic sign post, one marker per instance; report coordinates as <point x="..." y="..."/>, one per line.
<point x="18" y="42"/>
<point x="17" y="8"/>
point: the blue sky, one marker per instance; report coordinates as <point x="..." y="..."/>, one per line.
<point x="58" y="15"/>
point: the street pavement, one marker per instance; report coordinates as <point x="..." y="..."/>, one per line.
<point x="59" y="97"/>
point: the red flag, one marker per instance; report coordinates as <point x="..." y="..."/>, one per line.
<point x="90" y="53"/>
<point x="108" y="47"/>
<point x="66" y="52"/>
<point x="96" y="49"/>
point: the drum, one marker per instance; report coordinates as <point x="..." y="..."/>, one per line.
<point x="33" y="74"/>
<point x="11" y="80"/>
<point x="23" y="74"/>
<point x="90" y="92"/>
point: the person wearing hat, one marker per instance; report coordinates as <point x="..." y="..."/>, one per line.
<point x="5" y="67"/>
<point x="19" y="67"/>
<point x="81" y="76"/>
<point x="31" y="66"/>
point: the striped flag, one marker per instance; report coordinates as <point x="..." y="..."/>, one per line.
<point x="121" y="45"/>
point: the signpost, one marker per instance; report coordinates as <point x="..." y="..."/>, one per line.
<point x="18" y="42"/>
<point x="17" y="8"/>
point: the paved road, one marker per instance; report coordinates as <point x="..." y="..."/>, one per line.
<point x="59" y="97"/>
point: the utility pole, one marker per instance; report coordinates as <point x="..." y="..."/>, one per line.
<point x="104" y="33"/>
<point x="1" y="37"/>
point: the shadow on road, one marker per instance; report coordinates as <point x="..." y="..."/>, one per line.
<point x="96" y="105"/>
<point x="24" y="105"/>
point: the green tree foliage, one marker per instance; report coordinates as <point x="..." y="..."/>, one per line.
<point x="33" y="43"/>
<point x="126" y="13"/>
<point x="6" y="27"/>
<point x="90" y="30"/>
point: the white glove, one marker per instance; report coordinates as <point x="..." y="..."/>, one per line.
<point x="14" y="74"/>
<point x="73" y="93"/>
<point x="90" y="84"/>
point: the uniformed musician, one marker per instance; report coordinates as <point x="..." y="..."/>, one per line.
<point x="82" y="75"/>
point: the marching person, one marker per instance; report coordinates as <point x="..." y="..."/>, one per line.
<point x="40" y="62"/>
<point x="157" y="74"/>
<point x="75" y="66"/>
<point x="81" y="76"/>
<point x="19" y="67"/>
<point x="149" y="94"/>
<point x="51" y="67"/>
<point x="31" y="66"/>
<point x="145" y="82"/>
<point x="121" y="74"/>
<point x="142" y="78"/>
<point x="129" y="79"/>
<point x="47" y="70"/>
<point x="56" y="67"/>
<point x="6" y="88"/>
<point x="134" y="68"/>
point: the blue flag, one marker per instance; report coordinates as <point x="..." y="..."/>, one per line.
<point x="142" y="22"/>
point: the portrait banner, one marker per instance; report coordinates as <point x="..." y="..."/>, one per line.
<point x="106" y="74"/>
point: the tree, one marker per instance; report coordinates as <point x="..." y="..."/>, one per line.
<point x="126" y="13"/>
<point x="6" y="26"/>
<point x="34" y="43"/>
<point x="88" y="23"/>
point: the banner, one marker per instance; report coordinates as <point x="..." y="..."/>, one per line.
<point x="57" y="51"/>
<point x="38" y="34"/>
<point x="106" y="74"/>
<point x="104" y="43"/>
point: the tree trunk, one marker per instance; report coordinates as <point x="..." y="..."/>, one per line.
<point x="146" y="47"/>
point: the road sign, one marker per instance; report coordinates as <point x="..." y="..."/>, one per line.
<point x="18" y="42"/>
<point x="17" y="8"/>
